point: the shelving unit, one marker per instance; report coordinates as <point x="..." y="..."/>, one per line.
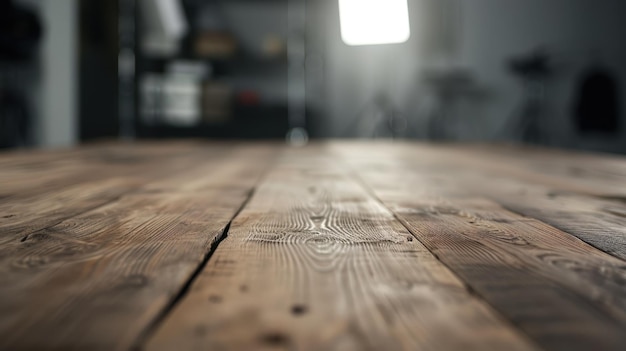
<point x="257" y="79"/>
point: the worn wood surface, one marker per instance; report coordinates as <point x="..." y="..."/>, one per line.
<point x="343" y="245"/>
<point x="92" y="265"/>
<point x="314" y="262"/>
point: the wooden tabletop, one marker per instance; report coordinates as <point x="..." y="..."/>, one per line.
<point x="333" y="246"/>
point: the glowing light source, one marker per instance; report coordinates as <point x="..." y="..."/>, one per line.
<point x="372" y="22"/>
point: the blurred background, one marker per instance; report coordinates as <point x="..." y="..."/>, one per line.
<point x="534" y="71"/>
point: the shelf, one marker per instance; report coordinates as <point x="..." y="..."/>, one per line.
<point x="248" y="122"/>
<point x="246" y="68"/>
<point x="240" y="64"/>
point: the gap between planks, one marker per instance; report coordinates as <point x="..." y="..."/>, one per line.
<point x="468" y="287"/>
<point x="313" y="242"/>
<point x="151" y="328"/>
<point x="557" y="285"/>
<point x="225" y="173"/>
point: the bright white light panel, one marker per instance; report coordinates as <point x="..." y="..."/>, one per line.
<point x="373" y="22"/>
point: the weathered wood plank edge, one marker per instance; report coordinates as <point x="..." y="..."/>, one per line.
<point x="470" y="290"/>
<point x="214" y="296"/>
<point x="143" y="190"/>
<point x="556" y="178"/>
<point x="87" y="164"/>
<point x="491" y="299"/>
<point x="599" y="223"/>
<point x="153" y="326"/>
<point x="536" y="180"/>
<point x="117" y="327"/>
<point x="122" y="185"/>
<point x="598" y="326"/>
<point x="63" y="219"/>
<point x="615" y="252"/>
<point x="143" y="337"/>
<point x="180" y="296"/>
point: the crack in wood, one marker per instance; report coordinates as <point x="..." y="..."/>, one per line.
<point x="153" y="326"/>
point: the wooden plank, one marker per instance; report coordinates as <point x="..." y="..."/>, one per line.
<point x="102" y="182"/>
<point x="596" y="220"/>
<point x="238" y="168"/>
<point x="592" y="174"/>
<point x="562" y="292"/>
<point x="580" y="196"/>
<point x="21" y="217"/>
<point x="96" y="281"/>
<point x="40" y="189"/>
<point x="313" y="262"/>
<point x="599" y="222"/>
<point x="28" y="175"/>
<point x="100" y="277"/>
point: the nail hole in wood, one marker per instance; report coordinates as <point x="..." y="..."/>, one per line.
<point x="274" y="338"/>
<point x="298" y="310"/>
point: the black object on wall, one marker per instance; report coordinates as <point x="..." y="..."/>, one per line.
<point x="20" y="31"/>
<point x="20" y="34"/>
<point x="597" y="102"/>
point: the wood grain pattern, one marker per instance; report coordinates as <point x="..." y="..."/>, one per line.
<point x="562" y="298"/>
<point x="239" y="166"/>
<point x="596" y="219"/>
<point x="563" y="293"/>
<point x="581" y="196"/>
<point x="313" y="262"/>
<point x="344" y="245"/>
<point x="95" y="177"/>
<point x="48" y="191"/>
<point x="35" y="174"/>
<point x="98" y="278"/>
<point x="587" y="173"/>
